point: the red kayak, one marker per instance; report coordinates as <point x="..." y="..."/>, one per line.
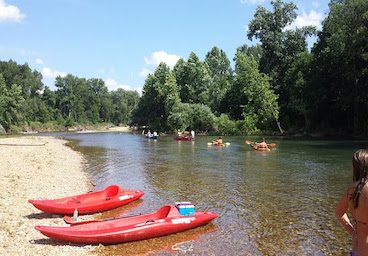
<point x="184" y="138"/>
<point x="167" y="220"/>
<point x="92" y="202"/>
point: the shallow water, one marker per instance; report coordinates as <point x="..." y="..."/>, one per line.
<point x="269" y="203"/>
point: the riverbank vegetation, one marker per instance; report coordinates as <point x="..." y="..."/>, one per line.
<point x="278" y="85"/>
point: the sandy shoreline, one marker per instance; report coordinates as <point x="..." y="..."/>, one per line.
<point x="43" y="167"/>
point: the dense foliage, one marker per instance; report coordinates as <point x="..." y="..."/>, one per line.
<point x="278" y="84"/>
<point x="24" y="101"/>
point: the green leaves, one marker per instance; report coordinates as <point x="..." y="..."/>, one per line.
<point x="339" y="70"/>
<point x="10" y="104"/>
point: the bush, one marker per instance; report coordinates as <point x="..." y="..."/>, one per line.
<point x="69" y="122"/>
<point x="247" y="126"/>
<point x="225" y="126"/>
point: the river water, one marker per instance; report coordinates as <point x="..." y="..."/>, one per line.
<point x="269" y="203"/>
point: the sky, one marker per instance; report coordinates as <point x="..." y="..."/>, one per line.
<point x="122" y="41"/>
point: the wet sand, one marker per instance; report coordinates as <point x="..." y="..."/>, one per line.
<point x="33" y="167"/>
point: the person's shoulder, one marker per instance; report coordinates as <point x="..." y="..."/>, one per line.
<point x="352" y="187"/>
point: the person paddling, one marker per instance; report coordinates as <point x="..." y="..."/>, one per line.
<point x="262" y="145"/>
<point x="218" y="141"/>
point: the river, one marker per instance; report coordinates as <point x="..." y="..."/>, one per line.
<point x="269" y="203"/>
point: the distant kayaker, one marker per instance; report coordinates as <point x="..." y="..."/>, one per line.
<point x="355" y="202"/>
<point x="192" y="133"/>
<point x="262" y="144"/>
<point x="218" y="141"/>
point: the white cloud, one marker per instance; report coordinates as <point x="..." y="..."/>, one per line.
<point x="112" y="85"/>
<point x="161" y="56"/>
<point x="252" y="1"/>
<point x="10" y="13"/>
<point x="145" y="72"/>
<point x="47" y="72"/>
<point x="315" y="4"/>
<point x="312" y="19"/>
<point x="39" y="61"/>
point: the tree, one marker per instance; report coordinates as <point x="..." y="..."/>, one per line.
<point x="124" y="103"/>
<point x="254" y="51"/>
<point x="280" y="47"/>
<point x="195" y="116"/>
<point x="221" y="73"/>
<point x="203" y="118"/>
<point x="339" y="69"/>
<point x="193" y="79"/>
<point x="49" y="99"/>
<point x="180" y="117"/>
<point x="255" y="100"/>
<point x="10" y="104"/>
<point x="71" y="94"/>
<point x="159" y="93"/>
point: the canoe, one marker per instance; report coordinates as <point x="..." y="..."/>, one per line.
<point x="152" y="137"/>
<point x="184" y="138"/>
<point x="111" y="197"/>
<point x="167" y="220"/>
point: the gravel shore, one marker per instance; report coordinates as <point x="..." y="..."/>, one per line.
<point x="33" y="167"/>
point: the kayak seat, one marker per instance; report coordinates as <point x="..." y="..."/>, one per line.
<point x="111" y="191"/>
<point x="164" y="212"/>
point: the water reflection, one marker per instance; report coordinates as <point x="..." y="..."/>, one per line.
<point x="270" y="203"/>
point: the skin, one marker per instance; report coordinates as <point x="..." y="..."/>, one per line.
<point x="358" y="229"/>
<point x="262" y="144"/>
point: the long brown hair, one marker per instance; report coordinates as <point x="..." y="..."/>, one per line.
<point x="360" y="173"/>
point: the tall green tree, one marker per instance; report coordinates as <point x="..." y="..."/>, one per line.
<point x="198" y="117"/>
<point x="280" y="47"/>
<point x="71" y="92"/>
<point x="124" y="103"/>
<point x="49" y="98"/>
<point x="193" y="79"/>
<point x="31" y="85"/>
<point x="340" y="69"/>
<point x="152" y="108"/>
<point x="221" y="74"/>
<point x="254" y="51"/>
<point x="10" y="104"/>
<point x="251" y="97"/>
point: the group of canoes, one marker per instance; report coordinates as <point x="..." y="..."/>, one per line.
<point x="259" y="146"/>
<point x="166" y="220"/>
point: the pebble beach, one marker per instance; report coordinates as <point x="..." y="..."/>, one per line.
<point x="33" y="167"/>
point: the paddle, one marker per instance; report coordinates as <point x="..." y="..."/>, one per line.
<point x="213" y="143"/>
<point x="252" y="143"/>
<point x="71" y="221"/>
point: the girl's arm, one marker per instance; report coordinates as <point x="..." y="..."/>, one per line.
<point x="341" y="215"/>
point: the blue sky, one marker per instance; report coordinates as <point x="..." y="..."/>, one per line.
<point x="121" y="41"/>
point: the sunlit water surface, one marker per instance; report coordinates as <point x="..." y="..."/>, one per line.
<point x="269" y="203"/>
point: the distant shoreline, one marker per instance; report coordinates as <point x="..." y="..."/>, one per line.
<point x="109" y="129"/>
